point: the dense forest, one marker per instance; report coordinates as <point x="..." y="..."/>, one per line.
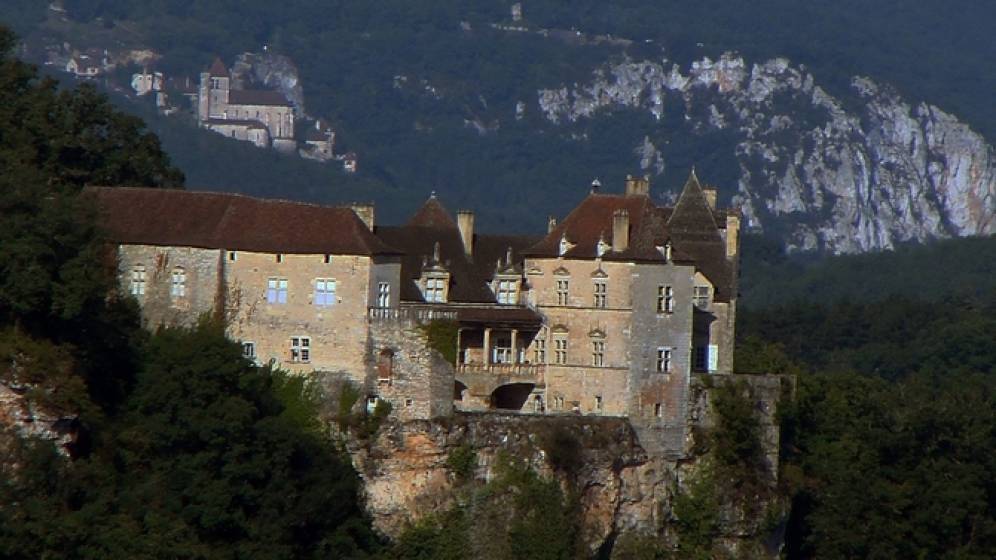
<point x="188" y="450"/>
<point x="367" y="67"/>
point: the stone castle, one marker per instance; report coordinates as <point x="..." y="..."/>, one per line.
<point x="611" y="313"/>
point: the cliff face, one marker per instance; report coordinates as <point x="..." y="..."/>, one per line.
<point x="844" y="175"/>
<point x="270" y="71"/>
<point x="622" y="489"/>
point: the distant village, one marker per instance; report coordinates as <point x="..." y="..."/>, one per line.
<point x="265" y="118"/>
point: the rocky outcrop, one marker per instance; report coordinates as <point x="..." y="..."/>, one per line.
<point x="623" y="490"/>
<point x="269" y="71"/>
<point x="23" y="418"/>
<point x="844" y="174"/>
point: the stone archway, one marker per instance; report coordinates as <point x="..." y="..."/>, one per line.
<point x="512" y="396"/>
<point x="459" y="390"/>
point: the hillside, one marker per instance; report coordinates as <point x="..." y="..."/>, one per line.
<point x="461" y="99"/>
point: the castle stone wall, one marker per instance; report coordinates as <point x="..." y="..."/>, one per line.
<point x="201" y="292"/>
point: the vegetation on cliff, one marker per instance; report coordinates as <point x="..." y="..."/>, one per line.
<point x="185" y="449"/>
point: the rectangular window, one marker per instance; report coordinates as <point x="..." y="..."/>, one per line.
<point x="328" y="259"/>
<point x="233" y="256"/>
<point x="435" y="290"/>
<point x="178" y="283"/>
<point x="700" y="297"/>
<point x="325" y="291"/>
<point x="664" y="360"/>
<point x="659" y="410"/>
<point x="539" y="349"/>
<point x="249" y="350"/>
<point x="383" y="294"/>
<point x="409" y="403"/>
<point x="598" y="403"/>
<point x="300" y="349"/>
<point x="601" y="289"/>
<point x="507" y="291"/>
<point x="138" y="281"/>
<point x="276" y="290"/>
<point x="598" y="353"/>
<point x="560" y="351"/>
<point x="665" y="299"/>
<point x="558" y="403"/>
<point x="563" y="287"/>
<point x="701" y="358"/>
<point x="280" y="258"/>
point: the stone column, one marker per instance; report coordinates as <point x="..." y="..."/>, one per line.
<point x="487" y="346"/>
<point x="459" y="351"/>
<point x="515" y="346"/>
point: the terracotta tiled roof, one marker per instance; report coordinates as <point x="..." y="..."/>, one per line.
<point x="469" y="277"/>
<point x="167" y="217"/>
<point x="692" y="227"/>
<point x="218" y="69"/>
<point x="257" y="97"/>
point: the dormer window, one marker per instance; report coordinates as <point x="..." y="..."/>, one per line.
<point x="602" y="247"/>
<point x="508" y="291"/>
<point x="565" y="246"/>
<point x="435" y="288"/>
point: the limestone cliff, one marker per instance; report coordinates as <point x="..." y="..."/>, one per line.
<point x="843" y="174"/>
<point x="622" y="489"/>
<point x="269" y="71"/>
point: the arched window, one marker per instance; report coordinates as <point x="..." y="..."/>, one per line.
<point x="178" y="282"/>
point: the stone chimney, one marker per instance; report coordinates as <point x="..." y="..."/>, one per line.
<point x="732" y="233"/>
<point x="365" y="211"/>
<point x="637" y="186"/>
<point x="465" y="223"/>
<point x="710" y="196"/>
<point x="551" y="224"/>
<point x="620" y="230"/>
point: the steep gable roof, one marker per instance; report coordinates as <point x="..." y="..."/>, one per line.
<point x="217" y="69"/>
<point x="168" y="217"/>
<point x="432" y="214"/>
<point x="592" y="221"/>
<point x="691" y="227"/>
<point x="469" y="277"/>
<point x="692" y="214"/>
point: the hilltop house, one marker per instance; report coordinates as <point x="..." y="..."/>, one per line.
<point x="263" y="117"/>
<point x="610" y="313"/>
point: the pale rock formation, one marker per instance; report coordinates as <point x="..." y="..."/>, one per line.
<point x="846" y="176"/>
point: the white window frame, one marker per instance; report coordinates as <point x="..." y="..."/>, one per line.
<point x="300" y="349"/>
<point x="383" y="294"/>
<point x="665" y="298"/>
<point x="435" y="289"/>
<point x="539" y="350"/>
<point x="508" y="291"/>
<point x="665" y="359"/>
<point x="563" y="291"/>
<point x="138" y="280"/>
<point x="601" y="293"/>
<point x="325" y="292"/>
<point x="701" y="296"/>
<point x="178" y="283"/>
<point x="249" y="350"/>
<point x="560" y="348"/>
<point x="276" y="290"/>
<point x="598" y="352"/>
